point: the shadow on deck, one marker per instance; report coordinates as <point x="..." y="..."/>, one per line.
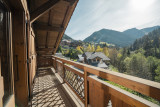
<point x="48" y="91"/>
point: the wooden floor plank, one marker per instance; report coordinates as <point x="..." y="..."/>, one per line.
<point x="48" y="91"/>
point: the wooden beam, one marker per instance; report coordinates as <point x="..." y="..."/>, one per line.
<point x="71" y="1"/>
<point x="48" y="28"/>
<point x="43" y="9"/>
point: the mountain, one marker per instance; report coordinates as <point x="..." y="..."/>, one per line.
<point x="149" y="29"/>
<point x="109" y="36"/>
<point x="120" y="39"/>
<point x="67" y="37"/>
<point x="150" y="43"/>
<point x="134" y="33"/>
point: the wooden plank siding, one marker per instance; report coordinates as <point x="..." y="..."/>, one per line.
<point x="20" y="50"/>
<point x="146" y="87"/>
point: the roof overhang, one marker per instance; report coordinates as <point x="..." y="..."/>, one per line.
<point x="49" y="20"/>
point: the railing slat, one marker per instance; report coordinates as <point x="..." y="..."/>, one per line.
<point x="80" y="73"/>
<point x="74" y="91"/>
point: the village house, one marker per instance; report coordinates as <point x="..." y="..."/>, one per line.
<point x="65" y="42"/>
<point x="97" y="59"/>
<point x="74" y="44"/>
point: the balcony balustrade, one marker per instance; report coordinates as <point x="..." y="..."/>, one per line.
<point x="89" y="85"/>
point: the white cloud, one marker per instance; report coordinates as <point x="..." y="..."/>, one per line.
<point x="93" y="15"/>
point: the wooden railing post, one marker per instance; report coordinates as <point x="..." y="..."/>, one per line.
<point x="86" y="87"/>
<point x="63" y="71"/>
<point x="55" y="65"/>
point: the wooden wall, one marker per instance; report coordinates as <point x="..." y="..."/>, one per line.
<point x="19" y="49"/>
<point x="44" y="61"/>
<point x="24" y="58"/>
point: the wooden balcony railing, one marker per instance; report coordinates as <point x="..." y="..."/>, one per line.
<point x="94" y="92"/>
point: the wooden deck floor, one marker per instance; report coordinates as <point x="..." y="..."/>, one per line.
<point x="48" y="91"/>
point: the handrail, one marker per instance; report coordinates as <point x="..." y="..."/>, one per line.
<point x="143" y="86"/>
<point x="121" y="94"/>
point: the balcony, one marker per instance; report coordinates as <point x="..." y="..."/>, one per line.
<point x="70" y="83"/>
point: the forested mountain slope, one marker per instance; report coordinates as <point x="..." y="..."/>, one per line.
<point x="150" y="43"/>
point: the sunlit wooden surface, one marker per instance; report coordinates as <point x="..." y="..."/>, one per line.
<point x="48" y="91"/>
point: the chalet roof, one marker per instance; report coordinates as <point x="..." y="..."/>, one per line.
<point x="49" y="21"/>
<point x="81" y="58"/>
<point x="88" y="54"/>
<point x="92" y="55"/>
<point x="101" y="64"/>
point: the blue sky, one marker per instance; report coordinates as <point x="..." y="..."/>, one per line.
<point x="93" y="15"/>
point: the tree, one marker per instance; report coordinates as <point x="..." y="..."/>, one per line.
<point x="79" y="49"/>
<point x="59" y="50"/>
<point x="92" y="48"/>
<point x="105" y="51"/>
<point x="99" y="49"/>
<point x="128" y="52"/>
<point x="113" y="56"/>
<point x="152" y="64"/>
<point x="139" y="66"/>
<point x="157" y="71"/>
<point x="89" y="49"/>
<point x="127" y="62"/>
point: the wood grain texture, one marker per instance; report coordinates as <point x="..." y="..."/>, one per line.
<point x="20" y="47"/>
<point x="43" y="9"/>
<point x="48" y="28"/>
<point x="101" y="89"/>
<point x="143" y="86"/>
<point x="1" y="87"/>
<point x="86" y="88"/>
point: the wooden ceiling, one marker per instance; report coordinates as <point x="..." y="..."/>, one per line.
<point x="49" y="20"/>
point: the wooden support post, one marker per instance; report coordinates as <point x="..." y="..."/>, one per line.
<point x="85" y="87"/>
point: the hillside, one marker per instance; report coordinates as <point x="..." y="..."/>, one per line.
<point x="67" y="37"/>
<point x="109" y="36"/>
<point x="150" y="43"/>
<point x="134" y="33"/>
<point x="120" y="39"/>
<point x="149" y="29"/>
